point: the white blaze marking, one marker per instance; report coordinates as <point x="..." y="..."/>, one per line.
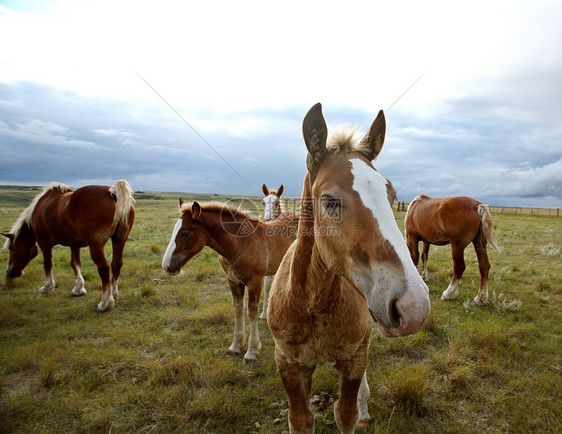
<point x="171" y="247"/>
<point x="269" y="201"/>
<point x="371" y="186"/>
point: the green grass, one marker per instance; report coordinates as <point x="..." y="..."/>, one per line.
<point x="158" y="362"/>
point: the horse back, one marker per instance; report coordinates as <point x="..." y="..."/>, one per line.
<point x="442" y="220"/>
<point x="81" y="217"/>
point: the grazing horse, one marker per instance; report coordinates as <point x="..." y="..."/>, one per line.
<point x="455" y="220"/>
<point x="348" y="264"/>
<point x="88" y="216"/>
<point x="248" y="249"/>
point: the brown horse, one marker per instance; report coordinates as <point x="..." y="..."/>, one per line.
<point x="248" y="249"/>
<point x="349" y="263"/>
<point x="88" y="216"/>
<point x="455" y="220"/>
<point x="273" y="208"/>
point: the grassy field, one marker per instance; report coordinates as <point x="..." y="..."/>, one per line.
<point x="158" y="362"/>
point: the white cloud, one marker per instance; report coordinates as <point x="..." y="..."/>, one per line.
<point x="41" y="132"/>
<point x="484" y="119"/>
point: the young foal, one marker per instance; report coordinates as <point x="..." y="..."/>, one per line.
<point x="349" y="263"/>
<point x="88" y="216"/>
<point x="456" y="220"/>
<point x="249" y="250"/>
<point x="273" y="208"/>
<point x="272" y="203"/>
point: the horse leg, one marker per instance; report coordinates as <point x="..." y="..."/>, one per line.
<point x="118" y="245"/>
<point x="297" y="380"/>
<point x="484" y="264"/>
<point x="362" y="400"/>
<point x="266" y="287"/>
<point x="98" y="256"/>
<point x="346" y="409"/>
<point x="48" y="267"/>
<point x="254" y="344"/>
<point x="424" y="257"/>
<point x="238" y="304"/>
<point x="459" y="266"/>
<point x="75" y="264"/>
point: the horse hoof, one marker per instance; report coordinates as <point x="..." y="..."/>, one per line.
<point x="232" y="352"/>
<point x="79" y="293"/>
<point x="43" y="290"/>
<point x="250" y="358"/>
<point x="364" y="424"/>
<point x="478" y="302"/>
<point x="106" y="308"/>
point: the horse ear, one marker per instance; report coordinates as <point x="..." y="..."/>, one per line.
<point x="315" y="133"/>
<point x="371" y="144"/>
<point x="181" y="202"/>
<point x="195" y="210"/>
<point x="10" y="236"/>
<point x="265" y="190"/>
<point x="280" y="190"/>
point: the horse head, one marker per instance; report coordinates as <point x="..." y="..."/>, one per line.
<point x="348" y="206"/>
<point x="188" y="238"/>
<point x="23" y="248"/>
<point x="272" y="202"/>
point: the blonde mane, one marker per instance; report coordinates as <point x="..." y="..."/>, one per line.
<point x="215" y="206"/>
<point x="345" y="138"/>
<point x="25" y="217"/>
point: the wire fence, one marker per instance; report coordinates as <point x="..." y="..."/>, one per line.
<point x="552" y="212"/>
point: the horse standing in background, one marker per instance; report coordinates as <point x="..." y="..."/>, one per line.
<point x="273" y="208"/>
<point x="455" y="220"/>
<point x="249" y="250"/>
<point x="89" y="216"/>
<point x="349" y="263"/>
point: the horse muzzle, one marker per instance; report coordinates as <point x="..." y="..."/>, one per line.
<point x="408" y="313"/>
<point x="173" y="267"/>
<point x="12" y="273"/>
<point x="399" y="306"/>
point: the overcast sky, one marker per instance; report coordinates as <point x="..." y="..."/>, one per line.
<point x="90" y="92"/>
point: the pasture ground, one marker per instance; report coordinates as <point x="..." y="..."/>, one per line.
<point x="158" y="362"/>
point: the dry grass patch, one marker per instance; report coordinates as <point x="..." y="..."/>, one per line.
<point x="406" y="387"/>
<point x="158" y="362"/>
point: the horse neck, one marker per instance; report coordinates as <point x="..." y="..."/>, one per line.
<point x="309" y="273"/>
<point x="27" y="234"/>
<point x="219" y="239"/>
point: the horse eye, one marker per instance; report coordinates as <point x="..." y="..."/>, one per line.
<point x="184" y="234"/>
<point x="331" y="206"/>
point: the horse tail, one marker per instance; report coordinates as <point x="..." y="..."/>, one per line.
<point x="123" y="194"/>
<point x="486" y="226"/>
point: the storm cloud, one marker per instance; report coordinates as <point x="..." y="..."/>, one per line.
<point x="467" y="147"/>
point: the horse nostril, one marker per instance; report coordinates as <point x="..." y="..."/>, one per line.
<point x="393" y="314"/>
